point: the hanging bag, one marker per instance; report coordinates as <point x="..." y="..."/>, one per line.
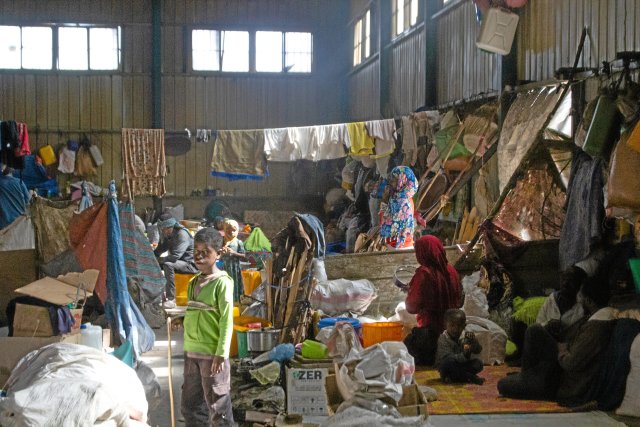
<point x="96" y="155"/>
<point x="624" y="181"/>
<point x="605" y="122"/>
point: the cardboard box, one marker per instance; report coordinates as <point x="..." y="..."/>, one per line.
<point x="34" y="321"/>
<point x="412" y="404"/>
<point x="306" y="393"/>
<point x="15" y="348"/>
<point x="63" y="290"/>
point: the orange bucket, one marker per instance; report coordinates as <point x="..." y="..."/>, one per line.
<point x="377" y="332"/>
<point x="182" y="285"/>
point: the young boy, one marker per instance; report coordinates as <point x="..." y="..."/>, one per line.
<point x="454" y="358"/>
<point x="208" y="325"/>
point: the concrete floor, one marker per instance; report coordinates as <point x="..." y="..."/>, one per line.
<point x="160" y="415"/>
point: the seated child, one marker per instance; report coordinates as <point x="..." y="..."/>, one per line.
<point x="455" y="355"/>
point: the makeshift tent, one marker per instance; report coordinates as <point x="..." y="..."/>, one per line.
<point x="533" y="153"/>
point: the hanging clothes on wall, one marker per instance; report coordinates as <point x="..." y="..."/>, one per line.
<point x="144" y="162"/>
<point x="278" y="147"/>
<point x="239" y="154"/>
<point x="10" y="145"/>
<point x="332" y="140"/>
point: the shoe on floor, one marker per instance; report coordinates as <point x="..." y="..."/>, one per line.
<point x="171" y="303"/>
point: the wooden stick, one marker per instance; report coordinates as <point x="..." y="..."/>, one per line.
<point x="268" y="267"/>
<point x="293" y="292"/>
<point x="173" y="420"/>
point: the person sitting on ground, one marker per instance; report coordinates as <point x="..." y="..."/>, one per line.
<point x="176" y="240"/>
<point x="434" y="289"/>
<point x="14" y="197"/>
<point x="561" y="362"/>
<point x="208" y="326"/>
<point x="232" y="252"/>
<point x="456" y="358"/>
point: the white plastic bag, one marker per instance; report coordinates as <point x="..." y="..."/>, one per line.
<point x="475" y="300"/>
<point x="341" y="340"/>
<point x="336" y="297"/>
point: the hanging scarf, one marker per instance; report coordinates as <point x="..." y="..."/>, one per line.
<point x="397" y="219"/>
<point x="435" y="286"/>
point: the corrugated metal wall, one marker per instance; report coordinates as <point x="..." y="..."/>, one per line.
<point x="463" y="69"/>
<point x="364" y="92"/>
<point x="58" y="106"/>
<point x="550" y="31"/>
<point x="407" y="73"/>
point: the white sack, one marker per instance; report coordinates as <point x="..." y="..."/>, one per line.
<point x="475" y="300"/>
<point x="72" y="385"/>
<point x="318" y="271"/>
<point x="336" y="297"/>
<point x="491" y="337"/>
<point x="631" y="403"/>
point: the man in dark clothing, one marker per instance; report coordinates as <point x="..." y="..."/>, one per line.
<point x="14" y="197"/>
<point x="177" y="241"/>
<point x="560" y="363"/>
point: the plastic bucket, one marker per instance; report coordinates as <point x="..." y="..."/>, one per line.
<point x="377" y="332"/>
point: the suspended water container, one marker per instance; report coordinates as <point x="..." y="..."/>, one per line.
<point x="497" y="31"/>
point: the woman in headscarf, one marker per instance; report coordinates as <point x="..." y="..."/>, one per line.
<point x="397" y="223"/>
<point x="232" y="252"/>
<point x="434" y="288"/>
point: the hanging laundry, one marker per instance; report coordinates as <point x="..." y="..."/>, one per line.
<point x="10" y="145"/>
<point x="305" y="141"/>
<point x="144" y="162"/>
<point x="239" y="152"/>
<point x="409" y="141"/>
<point x="384" y="133"/>
<point x="23" y="137"/>
<point x="361" y="143"/>
<point x="332" y="140"/>
<point x="67" y="162"/>
<point x="278" y="147"/>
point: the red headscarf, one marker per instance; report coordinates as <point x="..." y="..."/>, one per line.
<point x="435" y="286"/>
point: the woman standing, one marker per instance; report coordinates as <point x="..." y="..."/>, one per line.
<point x="434" y="288"/>
<point x="232" y="252"/>
<point x="397" y="223"/>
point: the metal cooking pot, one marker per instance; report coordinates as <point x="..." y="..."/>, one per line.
<point x="262" y="339"/>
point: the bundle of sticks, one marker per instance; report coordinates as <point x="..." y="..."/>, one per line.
<point x="289" y="283"/>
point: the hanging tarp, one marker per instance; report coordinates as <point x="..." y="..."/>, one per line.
<point x="533" y="208"/>
<point x="18" y="235"/>
<point x="123" y="315"/>
<point x="51" y="222"/>
<point x="140" y="263"/>
<point x="520" y="130"/>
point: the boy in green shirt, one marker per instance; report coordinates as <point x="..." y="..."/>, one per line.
<point x="208" y="325"/>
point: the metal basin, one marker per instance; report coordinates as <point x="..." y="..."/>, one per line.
<point x="262" y="339"/>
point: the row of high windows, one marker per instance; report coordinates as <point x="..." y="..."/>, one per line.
<point x="82" y="47"/>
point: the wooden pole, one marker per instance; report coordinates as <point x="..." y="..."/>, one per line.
<point x="170" y="374"/>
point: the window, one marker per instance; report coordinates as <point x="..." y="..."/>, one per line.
<point x="220" y="50"/>
<point x="278" y="51"/>
<point x="405" y="15"/>
<point x="362" y="39"/>
<point x="26" y="47"/>
<point x="79" y="48"/>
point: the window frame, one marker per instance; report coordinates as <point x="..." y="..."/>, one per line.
<point x="55" y="48"/>
<point x="252" y="51"/>
<point x="362" y="48"/>
<point x="410" y="10"/>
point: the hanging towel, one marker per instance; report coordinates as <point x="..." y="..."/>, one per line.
<point x="23" y="137"/>
<point x="278" y="147"/>
<point x="381" y="129"/>
<point x="239" y="152"/>
<point x="144" y="162"/>
<point x="361" y="143"/>
<point x="409" y="141"/>
<point x="305" y="141"/>
<point x="332" y="140"/>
